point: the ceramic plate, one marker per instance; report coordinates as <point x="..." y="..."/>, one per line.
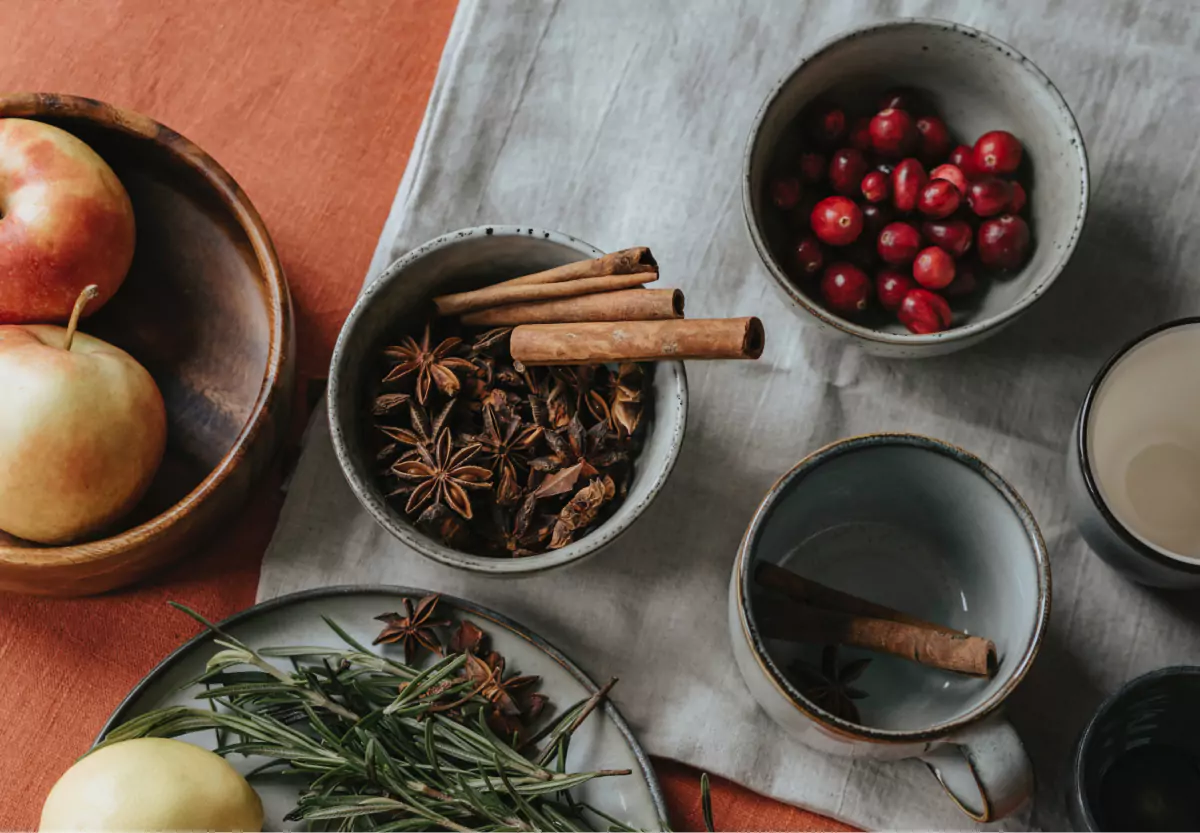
<point x="603" y="742"/>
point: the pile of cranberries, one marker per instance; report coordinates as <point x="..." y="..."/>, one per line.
<point x="890" y="209"/>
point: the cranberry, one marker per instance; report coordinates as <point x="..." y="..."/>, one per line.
<point x="954" y="236"/>
<point x="876" y="187"/>
<point x="812" y="167"/>
<point x="997" y="152"/>
<point x="1004" y="242"/>
<point x="860" y="134"/>
<point x="1017" y="201"/>
<point x="808" y="254"/>
<point x="939" y="198"/>
<point x="785" y="192"/>
<point x="933" y="268"/>
<point x="924" y="312"/>
<point x="963" y="158"/>
<point x="902" y="98"/>
<point x="846" y="171"/>
<point x="965" y="282"/>
<point x="837" y="221"/>
<point x="891" y="286"/>
<point x="893" y="133"/>
<point x="827" y="127"/>
<point x="907" y="181"/>
<point x="875" y="217"/>
<point x="950" y="173"/>
<point x="899" y="243"/>
<point x="989" y="196"/>
<point x="845" y="288"/>
<point x="934" y="139"/>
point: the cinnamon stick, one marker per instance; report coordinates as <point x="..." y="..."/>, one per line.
<point x="623" y="305"/>
<point x="624" y="262"/>
<point x="807" y="591"/>
<point x="501" y="294"/>
<point x="932" y="647"/>
<point x="637" y="341"/>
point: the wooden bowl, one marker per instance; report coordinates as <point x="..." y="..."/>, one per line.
<point x="206" y="309"/>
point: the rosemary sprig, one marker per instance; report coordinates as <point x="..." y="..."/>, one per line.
<point x="378" y="744"/>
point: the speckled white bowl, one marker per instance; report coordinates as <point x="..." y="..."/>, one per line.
<point x="455" y="262"/>
<point x="977" y="83"/>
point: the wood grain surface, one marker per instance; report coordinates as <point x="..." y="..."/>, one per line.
<point x="312" y="107"/>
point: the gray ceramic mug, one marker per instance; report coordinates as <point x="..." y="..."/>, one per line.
<point x="1133" y="467"/>
<point x="923" y="527"/>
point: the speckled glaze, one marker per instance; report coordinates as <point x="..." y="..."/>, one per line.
<point x="978" y="83"/>
<point x="978" y="533"/>
<point x="455" y="262"/>
<point x="604" y="741"/>
<point x="1105" y="534"/>
<point x="1153" y="708"/>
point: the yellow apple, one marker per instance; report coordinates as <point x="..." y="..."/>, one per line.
<point x="65" y="222"/>
<point x="152" y="784"/>
<point x="82" y="431"/>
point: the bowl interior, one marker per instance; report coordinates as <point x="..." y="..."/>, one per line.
<point x="977" y="84"/>
<point x="399" y="301"/>
<point x="194" y="310"/>
<point x="912" y="526"/>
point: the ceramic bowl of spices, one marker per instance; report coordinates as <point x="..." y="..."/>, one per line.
<point x="974" y="84"/>
<point x="445" y="441"/>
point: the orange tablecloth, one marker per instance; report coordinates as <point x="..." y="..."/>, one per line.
<point x="313" y="108"/>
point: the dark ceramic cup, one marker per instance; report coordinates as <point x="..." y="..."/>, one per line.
<point x="1137" y="764"/>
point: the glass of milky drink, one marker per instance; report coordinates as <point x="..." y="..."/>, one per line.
<point x="1134" y="465"/>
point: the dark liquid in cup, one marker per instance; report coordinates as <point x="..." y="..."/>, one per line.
<point x="1152" y="787"/>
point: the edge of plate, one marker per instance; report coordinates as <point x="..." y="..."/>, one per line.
<point x="254" y="611"/>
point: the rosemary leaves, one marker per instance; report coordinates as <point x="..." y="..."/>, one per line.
<point x="497" y="459"/>
<point x="379" y="744"/>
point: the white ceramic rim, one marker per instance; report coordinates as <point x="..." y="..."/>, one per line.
<point x="910" y="339"/>
<point x="367" y="492"/>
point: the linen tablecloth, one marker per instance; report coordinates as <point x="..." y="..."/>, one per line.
<point x="624" y="123"/>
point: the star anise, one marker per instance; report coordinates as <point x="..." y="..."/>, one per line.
<point x="414" y="629"/>
<point x="576" y="453"/>
<point x="433" y="365"/>
<point x="549" y="399"/>
<point x="441" y="476"/>
<point x="581" y="510"/>
<point x="622" y="399"/>
<point x="422" y="431"/>
<point x="388" y="402"/>
<point x="513" y="701"/>
<point x="505" y="450"/>
<point x="522" y="536"/>
<point x="829" y="686"/>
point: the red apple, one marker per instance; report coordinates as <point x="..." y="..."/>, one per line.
<point x="65" y="223"/>
<point x="82" y="431"/>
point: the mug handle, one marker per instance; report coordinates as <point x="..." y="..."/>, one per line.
<point x="984" y="768"/>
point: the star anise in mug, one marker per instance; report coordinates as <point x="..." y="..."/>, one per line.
<point x="830" y="685"/>
<point x="441" y="477"/>
<point x="433" y="365"/>
<point x="414" y="629"/>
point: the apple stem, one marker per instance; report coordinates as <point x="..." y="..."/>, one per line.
<point x="90" y="292"/>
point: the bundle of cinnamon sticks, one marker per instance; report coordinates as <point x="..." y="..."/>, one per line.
<point x="822" y="615"/>
<point x="599" y="310"/>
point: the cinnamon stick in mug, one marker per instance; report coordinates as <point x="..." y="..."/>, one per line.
<point x="501" y="294"/>
<point x="624" y="262"/>
<point x="637" y="341"/>
<point x="929" y="646"/>
<point x="623" y="305"/>
<point x="807" y="591"/>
